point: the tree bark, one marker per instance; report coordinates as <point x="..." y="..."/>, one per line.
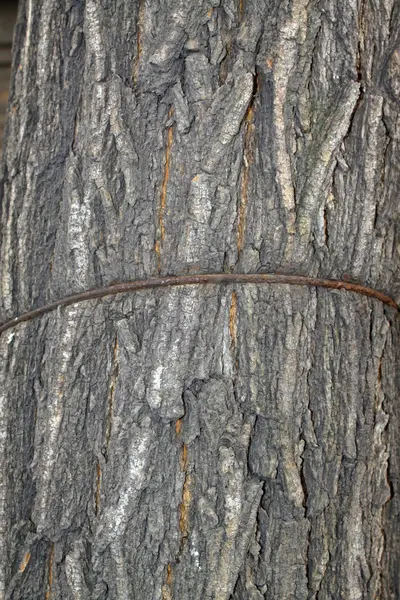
<point x="201" y="442"/>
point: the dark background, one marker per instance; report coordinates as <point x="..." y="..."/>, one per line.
<point x="8" y="15"/>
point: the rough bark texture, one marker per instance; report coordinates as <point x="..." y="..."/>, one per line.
<point x="216" y="442"/>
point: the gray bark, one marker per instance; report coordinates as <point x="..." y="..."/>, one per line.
<point x="211" y="442"/>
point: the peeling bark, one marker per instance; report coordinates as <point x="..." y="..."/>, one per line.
<point x="228" y="441"/>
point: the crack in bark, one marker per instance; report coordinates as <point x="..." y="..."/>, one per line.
<point x="241" y="9"/>
<point x="139" y="49"/>
<point x="163" y="200"/>
<point x="186" y="497"/>
<point x="185" y="500"/>
<point x="233" y="321"/>
<point x="166" y="590"/>
<point x="361" y="37"/>
<point x="50" y="573"/>
<point x="111" y="396"/>
<point x="247" y="162"/>
<point x="98" y="489"/>
<point x="24" y="562"/>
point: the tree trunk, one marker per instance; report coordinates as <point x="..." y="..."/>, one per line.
<point x="213" y="441"/>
